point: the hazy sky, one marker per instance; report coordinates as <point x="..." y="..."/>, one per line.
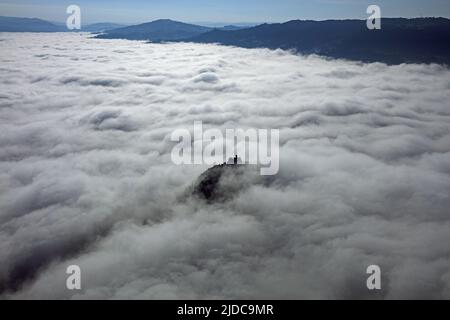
<point x="132" y="11"/>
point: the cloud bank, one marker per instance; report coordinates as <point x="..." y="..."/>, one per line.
<point x="86" y="176"/>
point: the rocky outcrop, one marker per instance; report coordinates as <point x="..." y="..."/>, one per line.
<point x="223" y="182"/>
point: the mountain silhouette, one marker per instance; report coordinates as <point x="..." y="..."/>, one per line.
<point x="13" y="24"/>
<point x="159" y="30"/>
<point x="231" y="28"/>
<point x="400" y="40"/>
<point x="418" y="40"/>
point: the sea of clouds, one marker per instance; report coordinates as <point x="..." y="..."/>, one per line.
<point x="86" y="176"/>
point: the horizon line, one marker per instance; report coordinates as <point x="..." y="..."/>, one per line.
<point x="224" y="23"/>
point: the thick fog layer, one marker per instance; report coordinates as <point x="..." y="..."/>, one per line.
<point x="86" y="176"/>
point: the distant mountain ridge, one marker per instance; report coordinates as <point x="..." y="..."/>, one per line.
<point x="420" y="40"/>
<point x="400" y="40"/>
<point x="158" y="30"/>
<point x="14" y="24"/>
<point x="163" y="30"/>
<point x="231" y="27"/>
